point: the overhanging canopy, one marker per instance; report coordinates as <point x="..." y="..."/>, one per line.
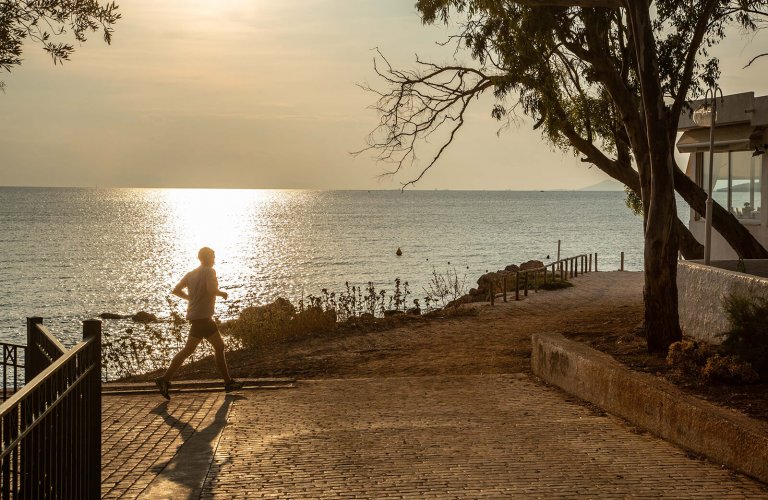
<point x="732" y="138"/>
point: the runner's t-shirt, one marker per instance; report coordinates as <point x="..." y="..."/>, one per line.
<point x="201" y="285"/>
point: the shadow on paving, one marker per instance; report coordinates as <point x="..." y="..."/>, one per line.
<point x="183" y="476"/>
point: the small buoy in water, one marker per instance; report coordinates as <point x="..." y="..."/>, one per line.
<point x="399" y="252"/>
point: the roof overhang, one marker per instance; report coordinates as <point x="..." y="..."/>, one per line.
<point x="730" y="138"/>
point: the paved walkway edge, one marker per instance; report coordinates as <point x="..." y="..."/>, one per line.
<point x="724" y="436"/>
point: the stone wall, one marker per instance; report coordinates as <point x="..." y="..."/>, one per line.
<point x="701" y="290"/>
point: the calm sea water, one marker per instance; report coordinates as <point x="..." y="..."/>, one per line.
<point x="70" y="254"/>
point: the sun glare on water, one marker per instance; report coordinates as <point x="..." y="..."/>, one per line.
<point x="231" y="221"/>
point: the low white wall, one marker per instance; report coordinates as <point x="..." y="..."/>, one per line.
<point x="701" y="290"/>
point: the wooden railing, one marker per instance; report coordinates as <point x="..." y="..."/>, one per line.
<point x="561" y="270"/>
<point x="11" y="366"/>
<point x="50" y="430"/>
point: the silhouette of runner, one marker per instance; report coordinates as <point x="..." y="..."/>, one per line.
<point x="202" y="289"/>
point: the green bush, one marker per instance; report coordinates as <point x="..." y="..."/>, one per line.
<point x="747" y="339"/>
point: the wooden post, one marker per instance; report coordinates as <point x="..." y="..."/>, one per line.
<point x="622" y="261"/>
<point x="493" y="293"/>
<point x="590" y="263"/>
<point x="558" y="249"/>
<point x="525" y="283"/>
<point x="563" y="274"/>
<point x="517" y="285"/>
<point x="504" y="284"/>
<point x="575" y="267"/>
<point x="536" y="281"/>
<point x="595" y="261"/>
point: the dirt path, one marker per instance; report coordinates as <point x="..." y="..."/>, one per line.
<point x="496" y="340"/>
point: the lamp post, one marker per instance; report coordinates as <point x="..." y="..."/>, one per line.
<point x="705" y="116"/>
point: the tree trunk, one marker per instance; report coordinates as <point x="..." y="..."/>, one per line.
<point x="662" y="325"/>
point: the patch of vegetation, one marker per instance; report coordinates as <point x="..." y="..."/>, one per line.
<point x="705" y="362"/>
<point x="747" y="339"/>
<point x="444" y="288"/>
<point x="555" y="285"/>
<point x="742" y="358"/>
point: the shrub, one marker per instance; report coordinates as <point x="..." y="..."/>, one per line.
<point x="259" y="325"/>
<point x="445" y="288"/>
<point x="689" y="356"/>
<point x="729" y="369"/>
<point x="747" y="339"/>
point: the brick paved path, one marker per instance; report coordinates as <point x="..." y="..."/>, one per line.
<point x="141" y="434"/>
<point x="499" y="436"/>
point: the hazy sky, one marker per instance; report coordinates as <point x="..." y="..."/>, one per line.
<point x="258" y="94"/>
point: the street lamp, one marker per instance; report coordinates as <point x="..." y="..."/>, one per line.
<point x="706" y="116"/>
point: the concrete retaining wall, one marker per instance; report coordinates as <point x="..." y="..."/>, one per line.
<point x="724" y="436"/>
<point x="701" y="290"/>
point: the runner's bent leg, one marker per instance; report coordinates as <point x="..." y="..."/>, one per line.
<point x="182" y="356"/>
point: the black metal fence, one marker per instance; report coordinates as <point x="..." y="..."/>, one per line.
<point x="50" y="430"/>
<point x="12" y="364"/>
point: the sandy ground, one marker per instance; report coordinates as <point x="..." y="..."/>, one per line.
<point x="495" y="340"/>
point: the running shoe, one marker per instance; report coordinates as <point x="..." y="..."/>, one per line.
<point x="163" y="386"/>
<point x="233" y="385"/>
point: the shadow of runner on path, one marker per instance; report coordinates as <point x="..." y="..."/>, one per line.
<point x="183" y="476"/>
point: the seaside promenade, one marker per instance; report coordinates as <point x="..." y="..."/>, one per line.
<point x="494" y="436"/>
<point x="439" y="435"/>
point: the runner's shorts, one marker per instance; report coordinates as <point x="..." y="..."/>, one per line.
<point x="203" y="328"/>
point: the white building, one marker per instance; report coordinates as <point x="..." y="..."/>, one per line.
<point x="740" y="165"/>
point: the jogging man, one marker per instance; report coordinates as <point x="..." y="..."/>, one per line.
<point x="202" y="289"/>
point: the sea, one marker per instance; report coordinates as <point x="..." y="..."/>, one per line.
<point x="69" y="254"/>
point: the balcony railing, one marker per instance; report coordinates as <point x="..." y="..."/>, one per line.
<point x="12" y="366"/>
<point x="50" y="430"/>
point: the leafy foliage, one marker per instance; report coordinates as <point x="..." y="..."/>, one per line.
<point x="48" y="22"/>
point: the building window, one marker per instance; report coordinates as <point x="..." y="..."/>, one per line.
<point x="737" y="177"/>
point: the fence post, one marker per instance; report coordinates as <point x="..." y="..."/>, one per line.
<point x="517" y="285"/>
<point x="575" y="267"/>
<point x="536" y="281"/>
<point x="92" y="393"/>
<point x="504" y="283"/>
<point x="595" y="261"/>
<point x="622" y="261"/>
<point x="32" y="363"/>
<point x="525" y="283"/>
<point x="590" y="263"/>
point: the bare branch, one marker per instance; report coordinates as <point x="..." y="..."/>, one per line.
<point x="755" y="59"/>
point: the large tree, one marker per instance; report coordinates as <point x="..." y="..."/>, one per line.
<point x="607" y="78"/>
<point x="54" y="24"/>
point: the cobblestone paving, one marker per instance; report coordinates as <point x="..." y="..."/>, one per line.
<point x="142" y="433"/>
<point x="501" y="436"/>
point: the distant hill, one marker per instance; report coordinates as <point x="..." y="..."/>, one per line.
<point x="741" y="188"/>
<point x="606" y="185"/>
